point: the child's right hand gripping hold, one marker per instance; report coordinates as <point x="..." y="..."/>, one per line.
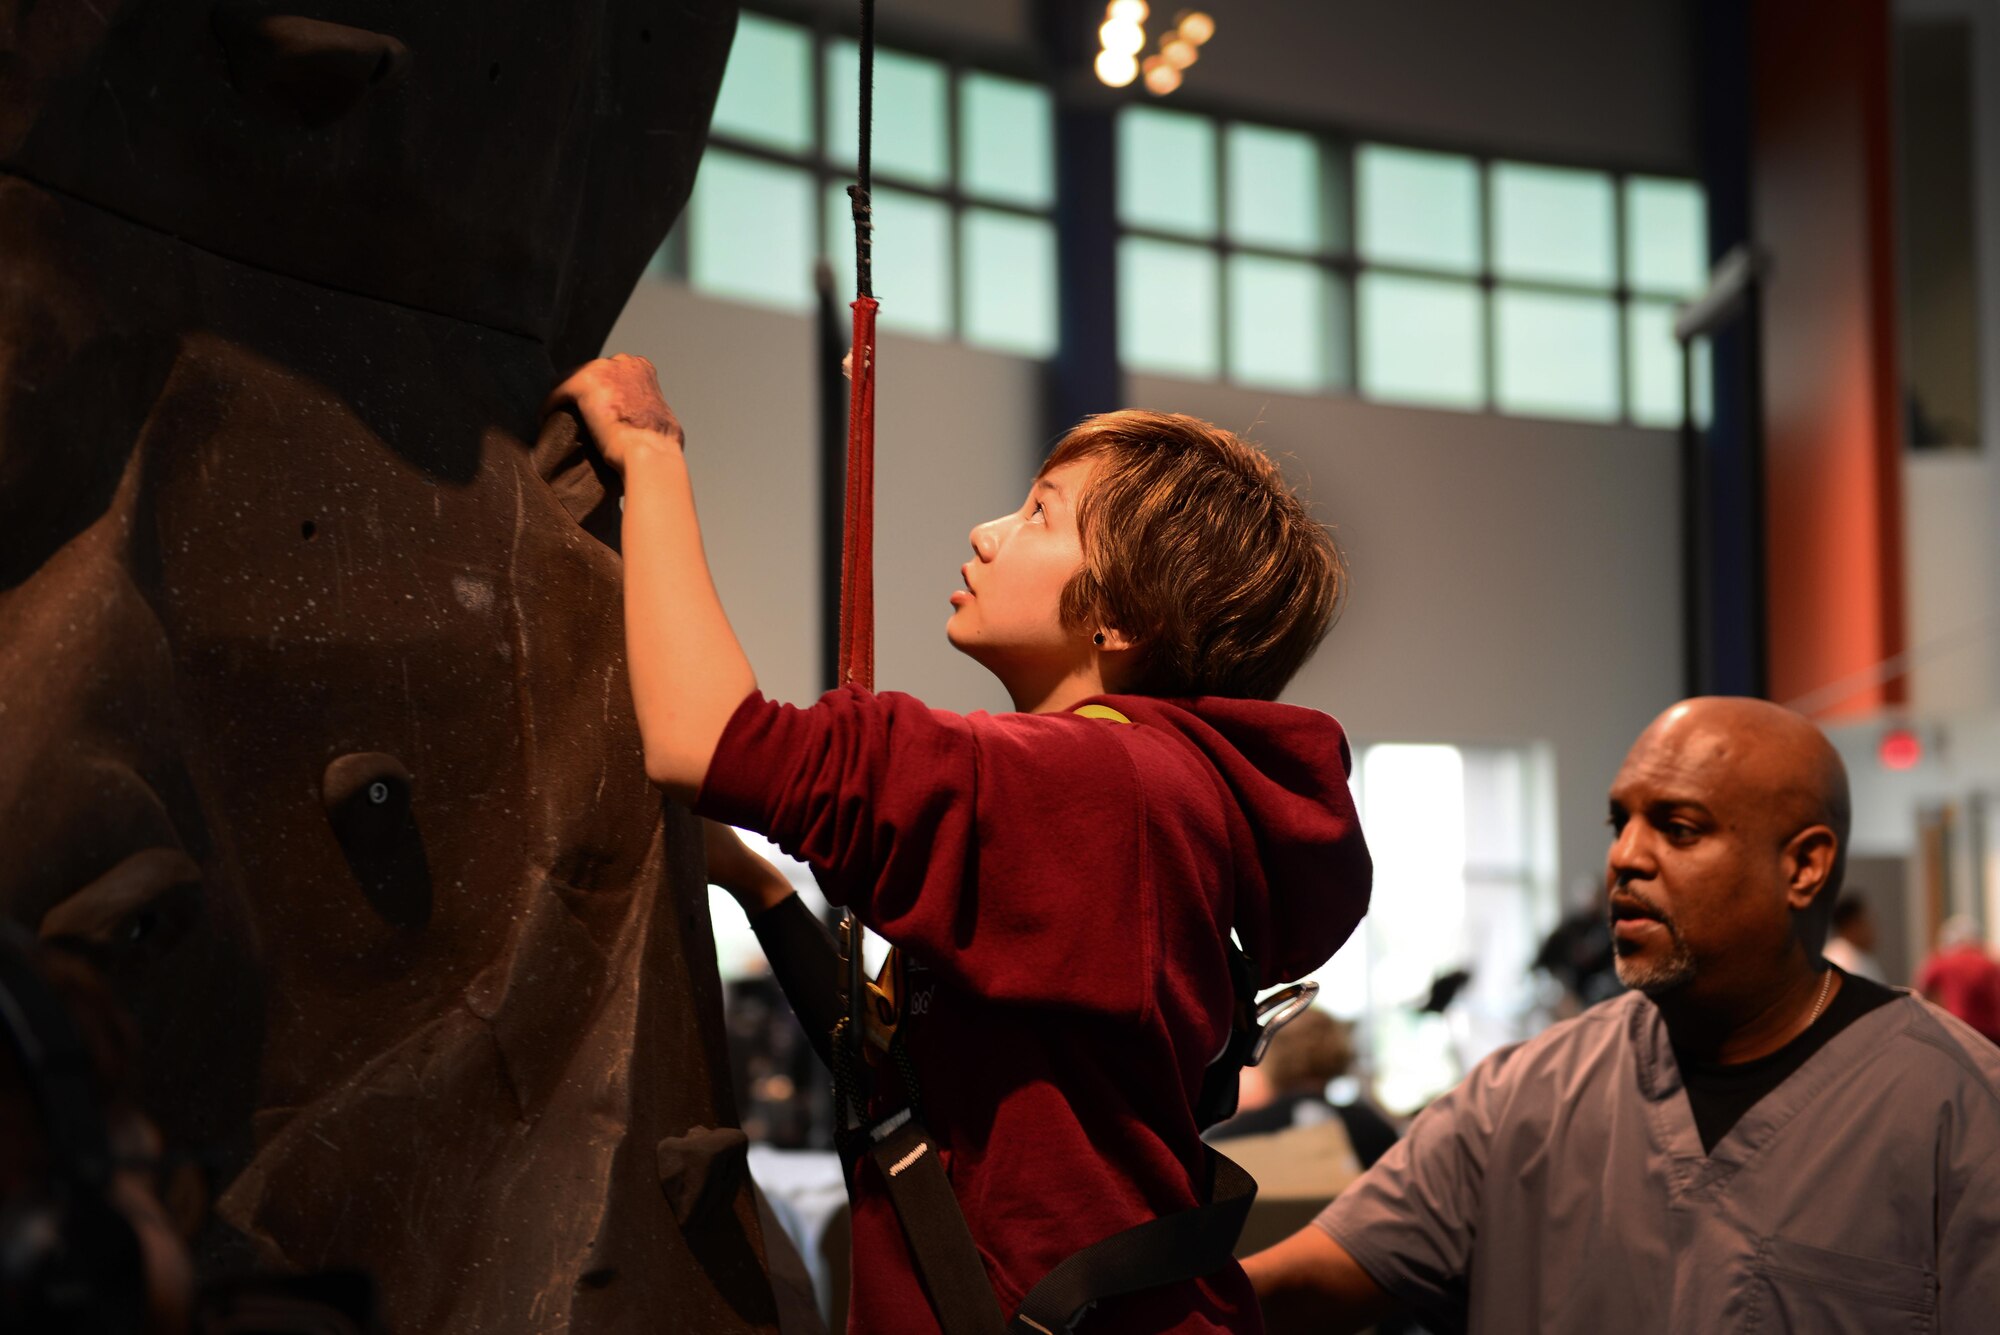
<point x="688" y="670"/>
<point x="620" y="403"/>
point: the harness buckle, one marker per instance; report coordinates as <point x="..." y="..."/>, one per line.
<point x="1283" y="1007"/>
<point x="881" y="1008"/>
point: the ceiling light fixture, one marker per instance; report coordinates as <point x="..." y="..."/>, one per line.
<point x="1115" y="69"/>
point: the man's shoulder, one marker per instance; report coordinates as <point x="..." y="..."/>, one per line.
<point x="1605" y="1029"/>
<point x="1930" y="1036"/>
<point x="1596" y="1044"/>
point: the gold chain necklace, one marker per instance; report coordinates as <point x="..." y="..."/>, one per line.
<point x="1825" y="991"/>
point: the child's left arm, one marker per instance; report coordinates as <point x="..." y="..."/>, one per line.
<point x="688" y="670"/>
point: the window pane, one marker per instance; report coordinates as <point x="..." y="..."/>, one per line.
<point x="750" y="229"/>
<point x="1168" y="315"/>
<point x="1005" y="140"/>
<point x="1553" y="224"/>
<point x="1418" y="208"/>
<point x="1666" y="236"/>
<point x="1276" y="196"/>
<point x="1166" y="171"/>
<point x="909" y="113"/>
<point x="1009" y="282"/>
<point x="912" y="258"/>
<point x="1280" y="312"/>
<point x="1413" y="798"/>
<point x="1654" y="359"/>
<point x="767" y="86"/>
<point x="1557" y="355"/>
<point x="1423" y="341"/>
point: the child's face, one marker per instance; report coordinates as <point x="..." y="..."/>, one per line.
<point x="1007" y="615"/>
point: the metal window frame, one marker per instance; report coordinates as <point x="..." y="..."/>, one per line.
<point x="822" y="30"/>
<point x="1338" y="256"/>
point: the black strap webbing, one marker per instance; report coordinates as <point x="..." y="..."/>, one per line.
<point x="1181" y="1246"/>
<point x="1176" y="1247"/>
<point x="1168" y="1250"/>
<point x="947" y="1260"/>
<point x="805" y="960"/>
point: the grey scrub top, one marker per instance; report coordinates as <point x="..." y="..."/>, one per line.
<point x="1562" y="1187"/>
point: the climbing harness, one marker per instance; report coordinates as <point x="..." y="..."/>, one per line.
<point x="867" y="1053"/>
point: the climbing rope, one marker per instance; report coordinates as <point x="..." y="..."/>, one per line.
<point x="857" y="569"/>
<point x="857" y="555"/>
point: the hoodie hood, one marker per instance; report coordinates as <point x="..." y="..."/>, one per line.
<point x="1303" y="872"/>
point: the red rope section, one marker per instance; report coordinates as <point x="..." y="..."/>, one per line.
<point x="857" y="557"/>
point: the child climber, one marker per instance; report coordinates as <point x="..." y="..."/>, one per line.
<point x="1062" y="884"/>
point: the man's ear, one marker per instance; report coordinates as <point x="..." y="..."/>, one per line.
<point x="1114" y="640"/>
<point x="1809" y="858"/>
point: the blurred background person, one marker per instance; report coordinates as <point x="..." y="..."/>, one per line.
<point x="86" y="1243"/>
<point x="1289" y="1088"/>
<point x="1851" y="943"/>
<point x="1578" y="956"/>
<point x="1962" y="976"/>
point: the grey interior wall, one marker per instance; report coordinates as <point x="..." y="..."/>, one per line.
<point x="1514" y="581"/>
<point x="1571" y="79"/>
<point x="741" y="381"/>
<point x="1580" y="80"/>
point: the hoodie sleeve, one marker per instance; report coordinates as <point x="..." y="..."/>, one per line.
<point x="1005" y="851"/>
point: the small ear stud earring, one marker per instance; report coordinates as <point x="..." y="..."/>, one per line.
<point x="1099" y="637"/>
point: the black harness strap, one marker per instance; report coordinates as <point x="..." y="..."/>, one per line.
<point x="1171" y="1249"/>
<point x="948" y="1261"/>
<point x="1176" y="1247"/>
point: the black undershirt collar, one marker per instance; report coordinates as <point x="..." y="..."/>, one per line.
<point x="1720" y="1094"/>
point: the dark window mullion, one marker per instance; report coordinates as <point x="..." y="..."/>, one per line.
<point x="1489" y="297"/>
<point x="954" y="249"/>
<point x="1336" y="238"/>
<point x="1622" y="301"/>
<point x="1351" y="246"/>
<point x="1223" y="368"/>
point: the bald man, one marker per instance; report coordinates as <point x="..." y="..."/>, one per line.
<point x="1748" y="1139"/>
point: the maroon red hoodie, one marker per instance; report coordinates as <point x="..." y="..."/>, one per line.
<point x="1062" y="888"/>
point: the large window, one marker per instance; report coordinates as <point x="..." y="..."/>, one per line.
<point x="1462" y="839"/>
<point x="1281" y="258"/>
<point x="1230" y="263"/>
<point x="1273" y="257"/>
<point x="964" y="188"/>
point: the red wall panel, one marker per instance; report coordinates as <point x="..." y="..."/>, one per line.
<point x="1821" y="205"/>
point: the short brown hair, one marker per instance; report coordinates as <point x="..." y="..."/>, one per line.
<point x="1195" y="547"/>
